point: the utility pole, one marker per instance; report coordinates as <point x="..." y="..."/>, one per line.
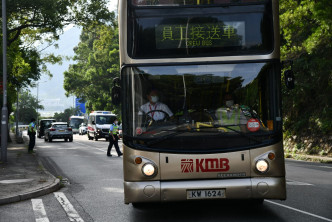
<point x="4" y="113"/>
<point x="37" y="103"/>
<point x="17" y="109"/>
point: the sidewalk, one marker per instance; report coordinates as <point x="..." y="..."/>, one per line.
<point x="23" y="176"/>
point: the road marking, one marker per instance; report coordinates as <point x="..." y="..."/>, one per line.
<point x="114" y="190"/>
<point x="66" y="205"/>
<point x="39" y="210"/>
<point x="82" y="144"/>
<point x="300" y="211"/>
<point x="297" y="183"/>
<point x="72" y="148"/>
<point x="325" y="167"/>
<point x="15" y="181"/>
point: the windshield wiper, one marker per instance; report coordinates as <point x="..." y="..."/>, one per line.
<point x="159" y="139"/>
<point x="230" y="128"/>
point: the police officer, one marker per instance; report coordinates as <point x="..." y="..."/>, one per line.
<point x="32" y="135"/>
<point x="231" y="115"/>
<point x="114" y="130"/>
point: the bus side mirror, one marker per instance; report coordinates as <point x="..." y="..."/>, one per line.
<point x="289" y="79"/>
<point x="116" y="92"/>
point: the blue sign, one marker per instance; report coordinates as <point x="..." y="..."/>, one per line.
<point x="81" y="106"/>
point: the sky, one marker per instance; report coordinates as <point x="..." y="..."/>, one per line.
<point x="50" y="91"/>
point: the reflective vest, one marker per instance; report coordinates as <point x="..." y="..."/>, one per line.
<point x="115" y="129"/>
<point x="31" y="127"/>
<point x="229" y="117"/>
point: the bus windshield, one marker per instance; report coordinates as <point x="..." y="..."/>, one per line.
<point x="104" y="119"/>
<point x="190" y="2"/>
<point x="76" y="122"/>
<point x="202" y="108"/>
<point x="244" y="28"/>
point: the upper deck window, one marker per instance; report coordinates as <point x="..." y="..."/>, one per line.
<point x="211" y="28"/>
<point x="190" y="2"/>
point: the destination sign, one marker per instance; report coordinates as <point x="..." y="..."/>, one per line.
<point x="205" y="35"/>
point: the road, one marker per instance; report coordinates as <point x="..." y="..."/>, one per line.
<point x="93" y="191"/>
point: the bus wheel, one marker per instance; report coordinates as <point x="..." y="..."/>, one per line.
<point x="139" y="205"/>
<point x="257" y="201"/>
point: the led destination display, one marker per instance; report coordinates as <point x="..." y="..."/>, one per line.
<point x="205" y="35"/>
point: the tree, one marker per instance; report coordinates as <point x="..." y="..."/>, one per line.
<point x="64" y="116"/>
<point x="32" y="23"/>
<point x="306" y="39"/>
<point x="27" y="107"/>
<point x="97" y="63"/>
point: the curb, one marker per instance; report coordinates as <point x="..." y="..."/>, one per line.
<point x="40" y="192"/>
<point x="54" y="186"/>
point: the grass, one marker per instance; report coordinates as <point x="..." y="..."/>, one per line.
<point x="61" y="182"/>
<point x="306" y="158"/>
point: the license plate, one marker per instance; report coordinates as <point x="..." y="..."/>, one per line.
<point x="61" y="130"/>
<point x="206" y="194"/>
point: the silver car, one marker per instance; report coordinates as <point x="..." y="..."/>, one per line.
<point x="59" y="130"/>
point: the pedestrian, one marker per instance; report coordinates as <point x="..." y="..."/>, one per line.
<point x="113" y="138"/>
<point x="32" y="135"/>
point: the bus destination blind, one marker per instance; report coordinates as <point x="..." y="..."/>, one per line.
<point x="206" y="35"/>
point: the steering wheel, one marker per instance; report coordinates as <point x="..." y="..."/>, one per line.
<point x="149" y="118"/>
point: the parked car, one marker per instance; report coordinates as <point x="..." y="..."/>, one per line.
<point x="82" y="129"/>
<point x="59" y="130"/>
<point x="43" y="124"/>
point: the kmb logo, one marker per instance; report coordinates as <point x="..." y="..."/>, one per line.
<point x="204" y="165"/>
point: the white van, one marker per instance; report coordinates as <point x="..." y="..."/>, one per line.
<point x="99" y="123"/>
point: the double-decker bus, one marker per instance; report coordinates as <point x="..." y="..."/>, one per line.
<point x="215" y="65"/>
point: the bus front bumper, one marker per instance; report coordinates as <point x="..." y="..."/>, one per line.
<point x="164" y="191"/>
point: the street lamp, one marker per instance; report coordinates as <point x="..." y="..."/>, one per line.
<point x="37" y="98"/>
<point x="4" y="110"/>
<point x="17" y="109"/>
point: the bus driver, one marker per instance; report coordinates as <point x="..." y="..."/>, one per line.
<point x="154" y="104"/>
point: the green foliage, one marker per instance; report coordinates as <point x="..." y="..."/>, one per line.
<point x="64" y="116"/>
<point x="306" y="39"/>
<point x="27" y="107"/>
<point x="32" y="23"/>
<point x="97" y="63"/>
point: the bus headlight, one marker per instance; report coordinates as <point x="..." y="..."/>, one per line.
<point x="262" y="166"/>
<point x="149" y="170"/>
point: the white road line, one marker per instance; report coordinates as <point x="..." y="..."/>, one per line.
<point x="301" y="211"/>
<point x="66" y="205"/>
<point x="82" y="144"/>
<point x="325" y="167"/>
<point x="39" y="210"/>
<point x="297" y="183"/>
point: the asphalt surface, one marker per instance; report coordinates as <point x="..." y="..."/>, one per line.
<point x="93" y="191"/>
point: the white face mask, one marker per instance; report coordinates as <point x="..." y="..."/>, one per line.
<point x="116" y="122"/>
<point x="229" y="103"/>
<point x="154" y="99"/>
